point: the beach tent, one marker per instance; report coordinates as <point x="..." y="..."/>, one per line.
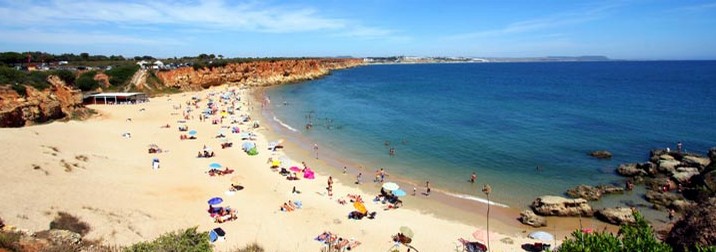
<point x="399" y="193"/>
<point x="214" y="166"/>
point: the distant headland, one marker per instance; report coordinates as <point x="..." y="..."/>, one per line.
<point x="417" y="60"/>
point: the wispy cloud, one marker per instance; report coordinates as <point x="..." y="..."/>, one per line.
<point x="79" y="38"/>
<point x="208" y="15"/>
<point x="696" y="7"/>
<point x="538" y="24"/>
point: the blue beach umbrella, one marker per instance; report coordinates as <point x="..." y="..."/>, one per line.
<point x="214" y="166"/>
<point x="399" y="193"/>
<point x="192" y="132"/>
<point x="215" y="201"/>
<point x="542" y="236"/>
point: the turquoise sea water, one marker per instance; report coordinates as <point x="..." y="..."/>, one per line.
<point x="502" y="120"/>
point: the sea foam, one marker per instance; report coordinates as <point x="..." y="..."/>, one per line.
<point x="284" y="124"/>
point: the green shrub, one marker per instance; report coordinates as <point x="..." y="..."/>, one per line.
<point x="66" y="75"/>
<point x="10" y="241"/>
<point x="253" y="247"/>
<point x="68" y="222"/>
<point x="632" y="237"/>
<point x="86" y="81"/>
<point x="187" y="240"/>
<point x="121" y="75"/>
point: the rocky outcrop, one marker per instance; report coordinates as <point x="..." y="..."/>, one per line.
<point x="601" y="154"/>
<point x="560" y="206"/>
<point x="662" y="199"/>
<point x="593" y="193"/>
<point x="610" y="189"/>
<point x="696" y="227"/>
<point x="683" y="174"/>
<point x="586" y="192"/>
<point x="616" y="216"/>
<point x="528" y="217"/>
<point x="257" y="73"/>
<point x="631" y="170"/>
<point x="55" y="102"/>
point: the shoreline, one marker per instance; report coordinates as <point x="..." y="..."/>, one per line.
<point x="125" y="201"/>
<point x="441" y="204"/>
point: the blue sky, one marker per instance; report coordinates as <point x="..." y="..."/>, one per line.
<point x="162" y="28"/>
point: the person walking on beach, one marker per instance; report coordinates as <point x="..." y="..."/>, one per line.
<point x="345" y="170"/>
<point x="358" y="178"/>
<point x="315" y="150"/>
<point x="330" y="181"/>
<point x="382" y="175"/>
<point x="473" y="177"/>
<point x="427" y="188"/>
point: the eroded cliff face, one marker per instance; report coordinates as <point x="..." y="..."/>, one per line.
<point x="259" y="73"/>
<point x="55" y="102"/>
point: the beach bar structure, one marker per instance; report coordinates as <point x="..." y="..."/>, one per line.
<point x="115" y="98"/>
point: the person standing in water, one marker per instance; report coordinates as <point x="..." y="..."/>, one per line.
<point x="315" y="149"/>
<point x="427" y="188"/>
<point x="473" y="177"/>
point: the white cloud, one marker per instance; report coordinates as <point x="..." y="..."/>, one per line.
<point x="212" y="15"/>
<point x="77" y="38"/>
<point x="538" y="24"/>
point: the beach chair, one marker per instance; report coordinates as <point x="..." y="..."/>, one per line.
<point x="217" y="234"/>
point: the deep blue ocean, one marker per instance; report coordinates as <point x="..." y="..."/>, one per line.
<point x="502" y="120"/>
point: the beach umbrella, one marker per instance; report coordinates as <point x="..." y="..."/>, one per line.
<point x="215" y="201"/>
<point x="390" y="186"/>
<point x="295" y="169"/>
<point x="276" y="163"/>
<point x="224" y="140"/>
<point x="214" y="166"/>
<point x="247" y="145"/>
<point x="192" y="132"/>
<point x="542" y="236"/>
<point x="406" y="231"/>
<point x="244" y="135"/>
<point x="360" y="207"/>
<point x="399" y="193"/>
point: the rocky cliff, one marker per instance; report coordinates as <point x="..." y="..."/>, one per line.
<point x="55" y="102"/>
<point x="258" y="73"/>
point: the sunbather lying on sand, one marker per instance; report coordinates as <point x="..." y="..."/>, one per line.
<point x="286" y="207"/>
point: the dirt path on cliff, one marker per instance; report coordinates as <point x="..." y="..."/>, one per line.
<point x="139" y="80"/>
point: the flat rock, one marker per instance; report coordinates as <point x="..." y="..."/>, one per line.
<point x="528" y="217"/>
<point x="617" y="215"/>
<point x="683" y="175"/>
<point x="601" y="154"/>
<point x="550" y="205"/>
<point x="610" y="189"/>
<point x="667" y="166"/>
<point x="695" y="161"/>
<point x="630" y="170"/>
<point x="57" y="236"/>
<point x="586" y="192"/>
<point x="666" y="157"/>
<point x="662" y="198"/>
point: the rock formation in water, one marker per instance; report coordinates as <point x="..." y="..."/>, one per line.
<point x="39" y="106"/>
<point x="257" y="73"/>
<point x="561" y="206"/>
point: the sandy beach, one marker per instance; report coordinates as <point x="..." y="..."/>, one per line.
<point x="87" y="168"/>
